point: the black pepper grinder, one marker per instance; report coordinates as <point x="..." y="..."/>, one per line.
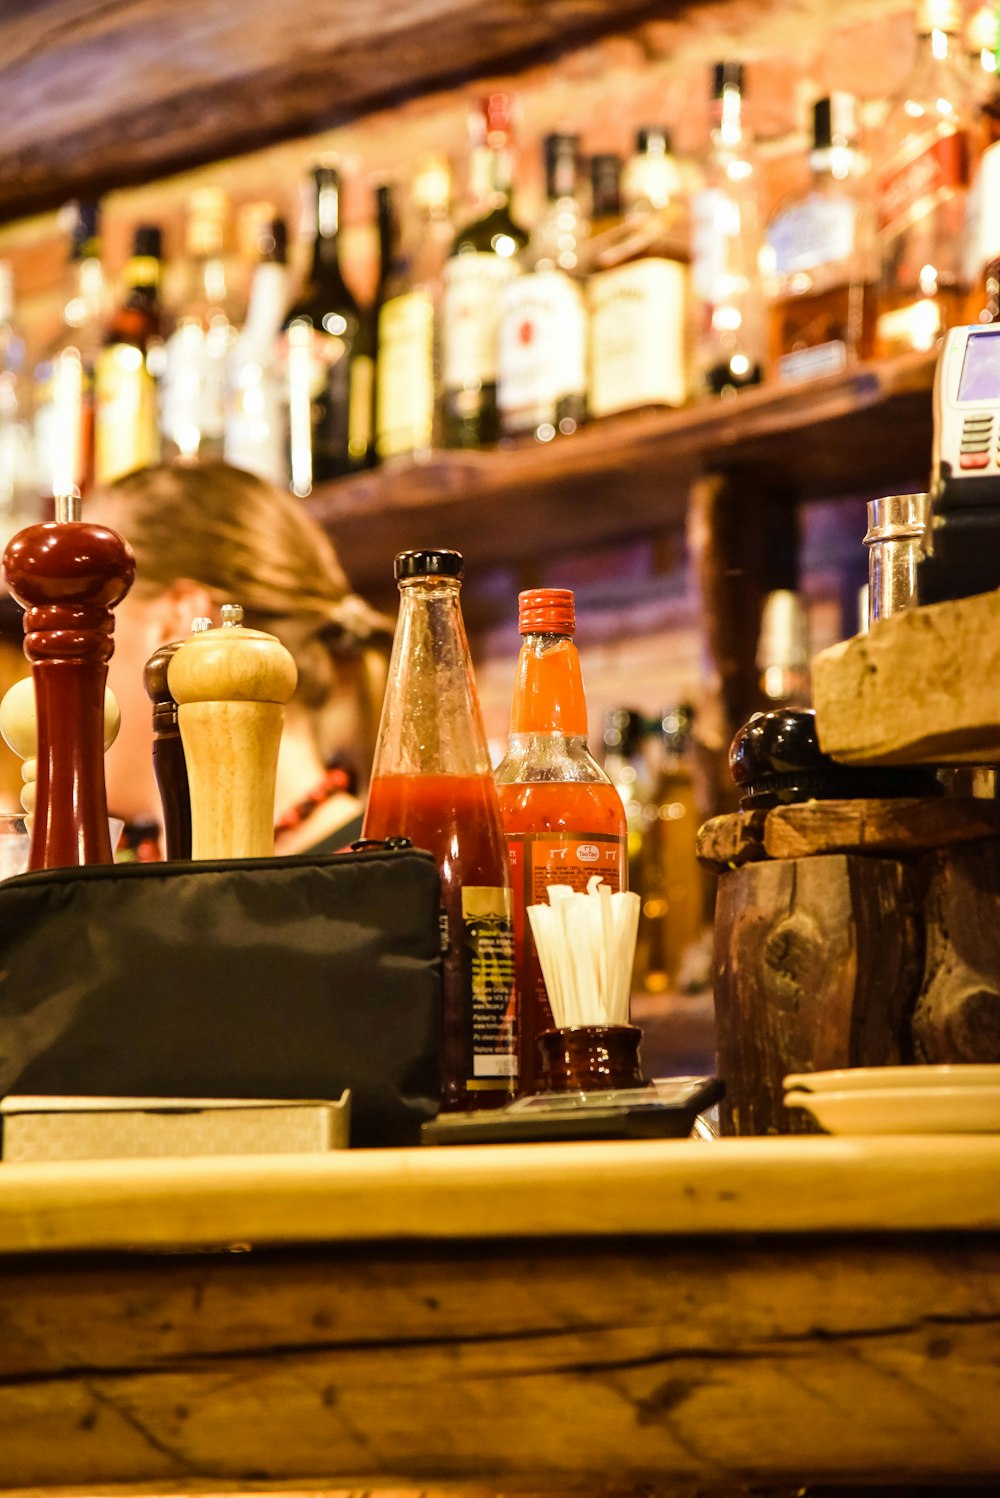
<point x="169" y="764"/>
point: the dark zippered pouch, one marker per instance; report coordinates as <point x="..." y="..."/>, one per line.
<point x="255" y="978"/>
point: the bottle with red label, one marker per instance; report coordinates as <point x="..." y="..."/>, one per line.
<point x="563" y="818"/>
<point x="923" y="192"/>
<point x="431" y="782"/>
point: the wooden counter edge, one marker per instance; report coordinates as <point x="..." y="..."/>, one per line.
<point x="786" y="1185"/>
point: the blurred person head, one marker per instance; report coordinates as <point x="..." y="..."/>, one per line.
<point x="206" y="534"/>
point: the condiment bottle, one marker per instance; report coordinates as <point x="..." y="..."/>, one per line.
<point x="231" y="685"/>
<point x="563" y="819"/>
<point x="431" y="782"/>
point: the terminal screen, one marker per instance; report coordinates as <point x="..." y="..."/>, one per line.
<point x="981" y="371"/>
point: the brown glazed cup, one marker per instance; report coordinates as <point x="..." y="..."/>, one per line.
<point x="590" y="1058"/>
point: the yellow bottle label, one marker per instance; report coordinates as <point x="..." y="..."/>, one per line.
<point x="637" y="353"/>
<point x="126" y="435"/>
<point x="359" y="421"/>
<point x="404" y="415"/>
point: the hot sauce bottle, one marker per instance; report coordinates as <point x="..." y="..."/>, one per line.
<point x="563" y="819"/>
<point x="431" y="782"/>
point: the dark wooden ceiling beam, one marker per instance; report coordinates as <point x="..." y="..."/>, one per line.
<point x="109" y="94"/>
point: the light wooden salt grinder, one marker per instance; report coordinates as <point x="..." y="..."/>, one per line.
<point x="231" y="685"/>
<point x="69" y="576"/>
<point x="19" y="731"/>
<point x="169" y="765"/>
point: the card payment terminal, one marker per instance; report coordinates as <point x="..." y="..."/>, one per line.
<point x="962" y="543"/>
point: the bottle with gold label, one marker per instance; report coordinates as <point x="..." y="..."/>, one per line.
<point x="484" y="257"/>
<point x="638" y="288"/>
<point x="130" y="366"/>
<point x="326" y="357"/>
<point x="923" y="191"/>
<point x="407" y="366"/>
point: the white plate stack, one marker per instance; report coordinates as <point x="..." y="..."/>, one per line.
<point x="900" y="1099"/>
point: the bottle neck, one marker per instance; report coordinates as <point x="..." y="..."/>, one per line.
<point x="728" y="128"/>
<point x="142" y="277"/>
<point x="548" y="691"/>
<point x="326" y="245"/>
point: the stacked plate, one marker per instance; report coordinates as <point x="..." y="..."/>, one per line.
<point x="900" y="1099"/>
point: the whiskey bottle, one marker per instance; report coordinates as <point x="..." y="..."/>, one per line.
<point x="130" y="366"/>
<point x="483" y="259"/>
<point x="923" y="191"/>
<point x="254" y="431"/>
<point x="637" y="291"/>
<point x="819" y="256"/>
<point x="326" y="352"/>
<point x="725" y="248"/>
<point x="64" y="375"/>
<point x="542" y="359"/>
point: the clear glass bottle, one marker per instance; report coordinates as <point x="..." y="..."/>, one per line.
<point x="923" y="191"/>
<point x="18" y="488"/>
<point x="408" y="364"/>
<point x="563" y="819"/>
<point x="254" y="437"/>
<point x="64" y="375"/>
<point x="431" y="782"/>
<point x="484" y="257"/>
<point x="726" y="240"/>
<point x="783" y="651"/>
<point x="198" y="351"/>
<point x="638" y="288"/>
<point x="130" y="365"/>
<point x="327" y="358"/>
<point x="819" y="256"/>
<point x="542" y="359"/>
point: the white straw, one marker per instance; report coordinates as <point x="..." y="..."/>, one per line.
<point x="586" y="945"/>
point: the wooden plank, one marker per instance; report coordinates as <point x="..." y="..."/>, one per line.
<point x="533" y="1191"/>
<point x="904" y="827"/>
<point x="547" y="1367"/>
<point x="111" y="95"/>
<point x="920" y="688"/>
<point x="631" y="475"/>
<point x="730" y="841"/>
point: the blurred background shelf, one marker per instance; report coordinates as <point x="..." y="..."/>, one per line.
<point x="866" y="431"/>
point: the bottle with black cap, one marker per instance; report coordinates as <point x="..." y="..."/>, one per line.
<point x="819" y="255"/>
<point x="542" y="352"/>
<point x="726" y="246"/>
<point x="130" y="365"/>
<point x="432" y="782"/>
<point x="638" y="290"/>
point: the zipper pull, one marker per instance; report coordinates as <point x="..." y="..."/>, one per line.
<point x="381" y="845"/>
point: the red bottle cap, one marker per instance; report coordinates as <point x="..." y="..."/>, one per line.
<point x="498" y="114"/>
<point x="546" y="611"/>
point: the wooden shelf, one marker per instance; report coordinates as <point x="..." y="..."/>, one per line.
<point x="861" y="433"/>
<point x="110" y="95"/>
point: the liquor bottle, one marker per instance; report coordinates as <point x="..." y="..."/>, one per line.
<point x="605" y="197"/>
<point x="18" y="490"/>
<point x="254" y="437"/>
<point x="638" y="288"/>
<point x="783" y="651"/>
<point x="431" y="782"/>
<point x="64" y="375"/>
<point x="819" y="256"/>
<point x="563" y="819"/>
<point x="542" y="357"/>
<point x="726" y="248"/>
<point x="923" y="192"/>
<point x="130" y="365"/>
<point x="326" y="352"/>
<point x="627" y="764"/>
<point x="407" y="368"/>
<point x="483" y="259"/>
<point x="197" y="354"/>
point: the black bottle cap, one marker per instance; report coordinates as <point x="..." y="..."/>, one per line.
<point x="148" y="240"/>
<point x="273" y="241"/>
<point x="776" y="760"/>
<point x="606" y="184"/>
<point x="835" y="121"/>
<point x="653" y="140"/>
<point x="561" y="151"/>
<point x="325" y="174"/>
<point x="822" y="125"/>
<point x="726" y="75"/>
<point x="431" y="563"/>
<point x="624" y="728"/>
<point x="87" y="227"/>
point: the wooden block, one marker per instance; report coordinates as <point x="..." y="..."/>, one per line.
<point x="729" y="842"/>
<point x="901" y="826"/>
<point x="920" y="688"/>
<point x="957" y="1016"/>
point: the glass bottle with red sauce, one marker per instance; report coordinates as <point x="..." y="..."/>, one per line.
<point x="564" y="820"/>
<point x="431" y="782"/>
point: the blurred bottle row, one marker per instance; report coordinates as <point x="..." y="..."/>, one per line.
<point x="643" y="283"/>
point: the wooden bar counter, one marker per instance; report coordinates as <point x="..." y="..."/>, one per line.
<point x="539" y="1318"/>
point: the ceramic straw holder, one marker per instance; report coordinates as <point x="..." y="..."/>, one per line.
<point x="590" y="1058"/>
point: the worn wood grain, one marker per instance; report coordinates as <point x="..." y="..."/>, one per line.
<point x="817" y="966"/>
<point x="729" y="841"/>
<point x="957" y="1015"/>
<point x="533" y="1367"/>
<point x="920" y="688"/>
<point x="904" y="827"/>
